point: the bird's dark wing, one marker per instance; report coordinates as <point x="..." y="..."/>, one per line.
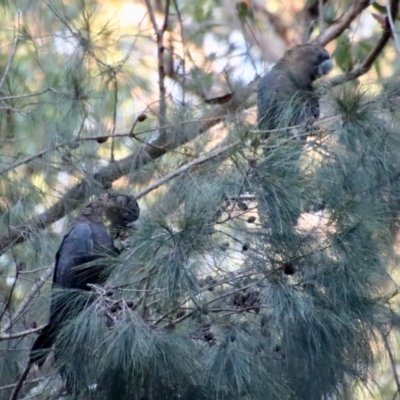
<point x="266" y="101"/>
<point x="75" y="248"/>
<point x="281" y="103"/>
<point x="85" y="242"/>
<point x="286" y="96"/>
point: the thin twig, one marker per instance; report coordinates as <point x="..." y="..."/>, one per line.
<point x="97" y="138"/>
<point x="392" y="360"/>
<point x="26" y="160"/>
<point x="342" y="23"/>
<point x="17" y="335"/>
<point x="160" y="56"/>
<point x="23" y="96"/>
<point x="155" y="146"/>
<point x="373" y="54"/>
<point x="27" y="300"/>
<point x="227" y="294"/>
<point x="227" y="280"/>
<point x="13" y="286"/>
<point x="20" y="382"/>
<point x="12" y="54"/>
<point x="181" y="170"/>
<point x="392" y="27"/>
<point x="80" y="192"/>
<point x="11" y="385"/>
<point x="114" y="118"/>
<point x="321" y="16"/>
<point x="183" y="74"/>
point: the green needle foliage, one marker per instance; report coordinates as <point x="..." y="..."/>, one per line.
<point x="209" y="303"/>
<point x="266" y="272"/>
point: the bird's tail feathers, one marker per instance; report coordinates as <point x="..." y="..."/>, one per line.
<point x="42" y="346"/>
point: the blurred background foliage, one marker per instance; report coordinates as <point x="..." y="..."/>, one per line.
<point x="89" y="100"/>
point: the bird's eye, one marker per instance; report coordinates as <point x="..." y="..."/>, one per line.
<point x="322" y="57"/>
<point x="125" y="216"/>
<point x="129" y="216"/>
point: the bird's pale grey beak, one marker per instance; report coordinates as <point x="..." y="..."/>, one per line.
<point x="135" y="225"/>
<point x="325" y="68"/>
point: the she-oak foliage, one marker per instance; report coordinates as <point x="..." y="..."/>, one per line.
<point x="223" y="308"/>
<point x="262" y="274"/>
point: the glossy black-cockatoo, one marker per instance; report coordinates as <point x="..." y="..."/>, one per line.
<point x="90" y="238"/>
<point x="286" y="96"/>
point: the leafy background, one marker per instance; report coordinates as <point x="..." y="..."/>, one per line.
<point x="77" y="79"/>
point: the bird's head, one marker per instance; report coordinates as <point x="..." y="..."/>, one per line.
<point x="121" y="211"/>
<point x="306" y="63"/>
<point x="324" y="63"/>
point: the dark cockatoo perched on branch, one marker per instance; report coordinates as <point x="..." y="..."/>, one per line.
<point x="286" y="96"/>
<point x="90" y="238"/>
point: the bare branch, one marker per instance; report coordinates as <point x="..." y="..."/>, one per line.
<point x="373" y="54"/>
<point x="12" y="54"/>
<point x="13" y="286"/>
<point x="21" y="334"/>
<point x="104" y="178"/>
<point x="179" y="171"/>
<point x="392" y="360"/>
<point x="99" y="138"/>
<point x="26" y="160"/>
<point x="342" y="23"/>
<point x="27" y="301"/>
<point x="10" y="386"/>
<point x="183" y="44"/>
<point x="20" y="382"/>
<point x="160" y="53"/>
<point x="321" y="16"/>
<point x="114" y="124"/>
<point x="392" y="27"/>
<point x="23" y="96"/>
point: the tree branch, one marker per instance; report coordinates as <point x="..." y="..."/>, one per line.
<point x="101" y="138"/>
<point x="179" y="171"/>
<point x="392" y="27"/>
<point x="321" y="16"/>
<point x="27" y="300"/>
<point x="104" y="178"/>
<point x="17" y="335"/>
<point x="373" y="55"/>
<point x="342" y="23"/>
<point x="160" y="53"/>
<point x="20" y="382"/>
<point x="10" y="386"/>
<point x="392" y="359"/>
<point x="12" y="54"/>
